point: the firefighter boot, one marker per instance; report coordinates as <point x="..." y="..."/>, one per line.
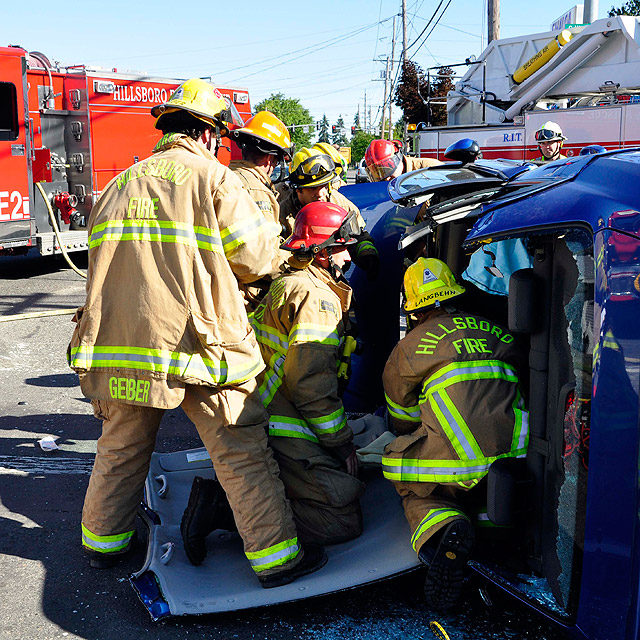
<point x="446" y="567"/>
<point x="99" y="560"/>
<point x="314" y="558"/>
<point x="207" y="510"/>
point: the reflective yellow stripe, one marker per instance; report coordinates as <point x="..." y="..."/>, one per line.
<point x="330" y="423"/>
<point x="237" y="234"/>
<point x="105" y="544"/>
<point x="307" y="332"/>
<point x="287" y="427"/>
<point x="413" y="470"/>
<point x="156" y="231"/>
<point x="162" y="361"/>
<point x="433" y="517"/>
<point x="274" y="556"/>
<point x="411" y="414"/>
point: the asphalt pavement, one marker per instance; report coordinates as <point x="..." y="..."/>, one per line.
<point x="47" y="589"/>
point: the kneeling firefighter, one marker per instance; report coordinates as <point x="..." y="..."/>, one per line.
<point x="454" y="401"/>
<point x="312" y="179"/>
<point x="300" y="325"/>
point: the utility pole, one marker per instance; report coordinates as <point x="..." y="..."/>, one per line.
<point x="365" y="112"/>
<point x="493" y="20"/>
<point x="384" y="104"/>
<point x="393" y="53"/>
<point x="404" y="60"/>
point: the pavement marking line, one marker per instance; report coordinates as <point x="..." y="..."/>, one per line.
<point x="36" y="465"/>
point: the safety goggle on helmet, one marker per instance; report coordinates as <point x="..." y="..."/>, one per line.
<point x="549" y="132"/>
<point x="311" y="170"/>
<point x="322" y="225"/>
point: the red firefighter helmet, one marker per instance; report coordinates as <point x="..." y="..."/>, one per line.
<point x="382" y="158"/>
<point x="321" y="225"/>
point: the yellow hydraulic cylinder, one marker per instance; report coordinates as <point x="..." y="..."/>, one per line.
<point x="542" y="57"/>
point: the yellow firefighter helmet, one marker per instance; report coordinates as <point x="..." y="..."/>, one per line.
<point x="202" y="100"/>
<point x="428" y="281"/>
<point x="311" y="169"/>
<point x="265" y="126"/>
<point x="334" y="154"/>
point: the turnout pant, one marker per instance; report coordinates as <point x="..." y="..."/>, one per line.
<point x="324" y="497"/>
<point x="429" y="507"/>
<point x="231" y="422"/>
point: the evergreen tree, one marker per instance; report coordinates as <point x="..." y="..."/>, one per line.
<point x="323" y="133"/>
<point x="356" y="120"/>
<point x="339" y="136"/>
<point x="630" y="8"/>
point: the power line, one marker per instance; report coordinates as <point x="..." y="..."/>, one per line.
<point x="427" y="25"/>
<point x="432" y="28"/>
<point x="305" y="51"/>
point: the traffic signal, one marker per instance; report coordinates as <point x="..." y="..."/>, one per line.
<point x="334" y="129"/>
<point x="353" y="130"/>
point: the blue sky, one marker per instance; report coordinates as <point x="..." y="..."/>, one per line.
<point x="321" y="52"/>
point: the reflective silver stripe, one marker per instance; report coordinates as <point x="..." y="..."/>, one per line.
<point x="294" y="427"/>
<point x="463" y="469"/>
<point x="235" y="238"/>
<point x="466" y="370"/>
<point x="282" y="554"/>
<point x="329" y="425"/>
<point x="455" y="427"/>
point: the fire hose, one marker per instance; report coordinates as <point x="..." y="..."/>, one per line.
<point x="56" y="230"/>
<point x="53" y="312"/>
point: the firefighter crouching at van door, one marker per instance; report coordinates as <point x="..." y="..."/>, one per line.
<point x="384" y="160"/>
<point x="300" y="325"/>
<point x="453" y="398"/>
<point x="311" y="179"/>
<point x="550" y="140"/>
<point x="175" y="332"/>
<point x="266" y="144"/>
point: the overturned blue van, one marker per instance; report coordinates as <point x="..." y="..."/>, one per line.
<point x="554" y="253"/>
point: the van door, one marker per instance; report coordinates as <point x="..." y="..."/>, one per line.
<point x="15" y="150"/>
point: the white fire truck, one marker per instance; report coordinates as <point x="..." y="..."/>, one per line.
<point x="585" y="78"/>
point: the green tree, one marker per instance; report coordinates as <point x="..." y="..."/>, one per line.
<point x="323" y="132"/>
<point x="630" y="8"/>
<point x="413" y="88"/>
<point x="291" y="112"/>
<point x="356" y="119"/>
<point x="338" y="137"/>
<point x="359" y="144"/>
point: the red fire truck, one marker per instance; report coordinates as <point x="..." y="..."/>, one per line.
<point x="72" y="129"/>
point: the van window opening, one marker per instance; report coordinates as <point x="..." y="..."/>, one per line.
<point x="8" y="111"/>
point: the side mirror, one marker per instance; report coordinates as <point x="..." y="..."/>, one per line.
<point x="465" y="151"/>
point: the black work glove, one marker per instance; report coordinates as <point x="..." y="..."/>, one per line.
<point x="365" y="255"/>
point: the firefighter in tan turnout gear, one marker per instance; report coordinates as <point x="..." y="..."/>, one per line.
<point x="266" y="144"/>
<point x="299" y="326"/>
<point x="164" y="325"/>
<point x="312" y="178"/>
<point x="453" y="398"/>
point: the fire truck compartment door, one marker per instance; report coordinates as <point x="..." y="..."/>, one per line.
<point x="15" y="152"/>
<point x="169" y="585"/>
